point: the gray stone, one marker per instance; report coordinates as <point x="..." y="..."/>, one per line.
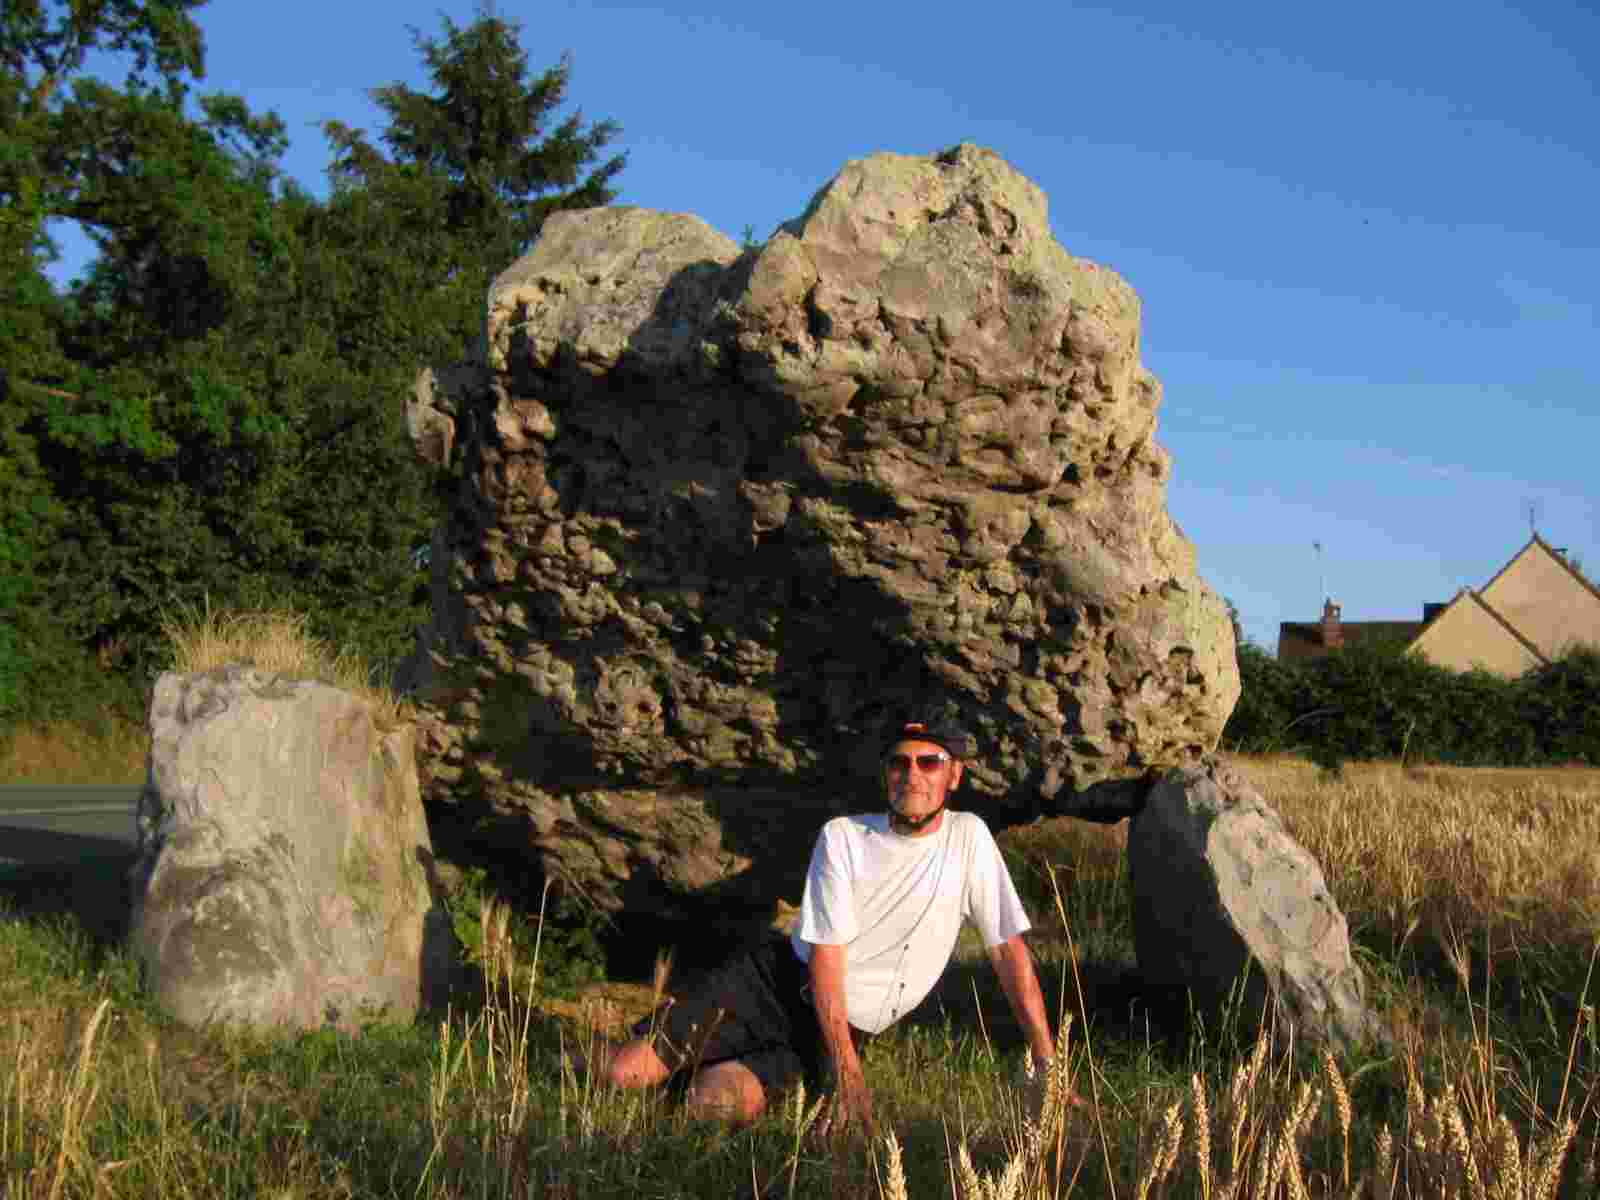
<point x="1223" y="894"/>
<point x="284" y="858"/>
<point x="725" y="512"/>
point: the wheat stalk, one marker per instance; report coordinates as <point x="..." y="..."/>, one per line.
<point x="896" y="1171"/>
<point x="1166" y="1150"/>
<point x="1507" y="1157"/>
<point x="1202" y="1134"/>
<point x="1305" y="1107"/>
<point x="1341" y="1105"/>
<point x="1458" y="1143"/>
<point x="1008" y="1185"/>
<point x="1240" y="1088"/>
<point x="1383" y="1169"/>
<point x="1543" y="1178"/>
<point x="971" y="1182"/>
<point x="79" y="1099"/>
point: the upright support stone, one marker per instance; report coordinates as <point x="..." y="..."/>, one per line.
<point x="284" y="860"/>
<point x="1231" y="910"/>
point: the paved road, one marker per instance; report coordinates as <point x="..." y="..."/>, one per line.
<point x="48" y="826"/>
<point x="66" y="852"/>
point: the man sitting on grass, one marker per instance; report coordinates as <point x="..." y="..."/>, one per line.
<point x="884" y="900"/>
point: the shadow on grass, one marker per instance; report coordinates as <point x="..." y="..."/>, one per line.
<point x="92" y="891"/>
<point x="1108" y="998"/>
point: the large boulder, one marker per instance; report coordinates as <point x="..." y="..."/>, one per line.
<point x="1232" y="913"/>
<point x="284" y="870"/>
<point x="725" y="511"/>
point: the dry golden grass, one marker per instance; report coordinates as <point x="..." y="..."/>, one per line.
<point x="59" y="755"/>
<point x="47" y="1101"/>
<point x="280" y="642"/>
<point x="1268" y="1133"/>
<point x="1441" y="852"/>
<point x="276" y="641"/>
<point x="1511" y="854"/>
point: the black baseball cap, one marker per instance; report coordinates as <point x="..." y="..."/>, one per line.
<point x="957" y="742"/>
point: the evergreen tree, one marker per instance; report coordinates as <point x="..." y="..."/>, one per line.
<point x="488" y="141"/>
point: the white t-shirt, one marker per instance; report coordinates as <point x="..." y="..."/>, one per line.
<point x="897" y="903"/>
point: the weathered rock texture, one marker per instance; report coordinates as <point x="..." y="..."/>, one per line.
<point x="284" y="858"/>
<point x="726" y="511"/>
<point x="1230" y="908"/>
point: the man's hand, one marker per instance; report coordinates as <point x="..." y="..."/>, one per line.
<point x="849" y="1108"/>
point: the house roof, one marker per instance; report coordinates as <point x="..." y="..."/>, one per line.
<point x="1567" y="564"/>
<point x="1466" y="596"/>
<point x="1303" y="639"/>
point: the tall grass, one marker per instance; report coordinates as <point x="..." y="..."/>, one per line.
<point x="1474" y="904"/>
<point x="1482" y="1097"/>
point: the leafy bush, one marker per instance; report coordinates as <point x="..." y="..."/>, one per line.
<point x="1562" y="703"/>
<point x="1377" y="702"/>
<point x="565" y="936"/>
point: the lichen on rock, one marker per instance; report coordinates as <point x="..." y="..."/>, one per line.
<point x="724" y="512"/>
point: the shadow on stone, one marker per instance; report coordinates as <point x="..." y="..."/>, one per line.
<point x="724" y="513"/>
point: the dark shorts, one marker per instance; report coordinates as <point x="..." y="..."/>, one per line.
<point x="756" y="1008"/>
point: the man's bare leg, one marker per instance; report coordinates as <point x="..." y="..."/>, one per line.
<point x="633" y="1064"/>
<point x="728" y="1091"/>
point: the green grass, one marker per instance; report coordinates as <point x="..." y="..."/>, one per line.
<point x="478" y="1102"/>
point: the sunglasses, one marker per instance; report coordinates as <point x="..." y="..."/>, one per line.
<point x="901" y="763"/>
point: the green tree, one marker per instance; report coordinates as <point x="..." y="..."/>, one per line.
<point x="159" y="443"/>
<point x="43" y="47"/>
<point x="213" y="412"/>
<point x="484" y="151"/>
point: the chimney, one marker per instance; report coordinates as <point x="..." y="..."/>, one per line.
<point x="1332" y="629"/>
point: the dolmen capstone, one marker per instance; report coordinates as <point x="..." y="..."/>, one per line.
<point x="725" y="512"/>
<point x="284" y="869"/>
<point x="1233" y="915"/>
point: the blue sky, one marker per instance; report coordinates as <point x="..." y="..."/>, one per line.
<point x="1365" y="235"/>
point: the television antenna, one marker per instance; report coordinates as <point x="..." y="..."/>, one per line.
<point x="1533" y="509"/>
<point x="1322" y="575"/>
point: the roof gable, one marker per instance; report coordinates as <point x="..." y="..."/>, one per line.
<point x="1545" y="599"/>
<point x="1470" y="633"/>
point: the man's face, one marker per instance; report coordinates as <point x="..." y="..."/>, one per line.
<point x="918" y="776"/>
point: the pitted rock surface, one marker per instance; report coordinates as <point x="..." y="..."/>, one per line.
<point x="284" y="858"/>
<point x="725" y="512"/>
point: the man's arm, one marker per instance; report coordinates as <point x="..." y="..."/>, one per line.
<point x="1014" y="965"/>
<point x="827" y="993"/>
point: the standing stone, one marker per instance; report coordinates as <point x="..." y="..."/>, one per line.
<point x="1220" y="887"/>
<point x="283" y="871"/>
<point x="725" y="513"/>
